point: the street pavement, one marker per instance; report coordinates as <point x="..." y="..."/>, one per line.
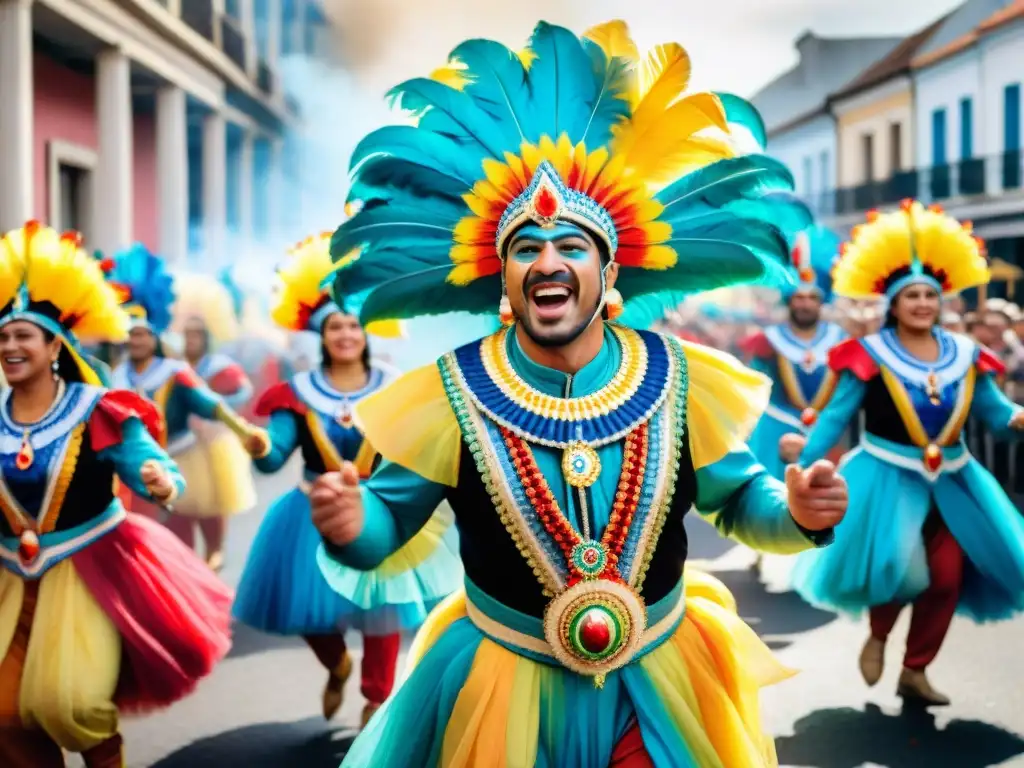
<point x="261" y="708"/>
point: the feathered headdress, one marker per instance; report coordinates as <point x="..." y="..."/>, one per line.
<point x="204" y="298"/>
<point x="813" y="257"/>
<point x="579" y="130"/>
<point x="911" y="245"/>
<point x="303" y="301"/>
<point x="47" y="279"/>
<point x="146" y="285"/>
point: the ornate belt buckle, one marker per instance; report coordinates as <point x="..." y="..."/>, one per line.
<point x="595" y="627"/>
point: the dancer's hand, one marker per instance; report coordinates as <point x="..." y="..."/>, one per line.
<point x="791" y="446"/>
<point x="157" y="481"/>
<point x="817" y="495"/>
<point x="1017" y="422"/>
<point x="257" y="444"/>
<point x="337" y="505"/>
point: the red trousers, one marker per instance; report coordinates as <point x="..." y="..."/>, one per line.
<point x="934" y="608"/>
<point x="630" y="751"/>
<point x="380" y="660"/>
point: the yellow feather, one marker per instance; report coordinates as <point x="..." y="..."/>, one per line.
<point x="664" y="75"/>
<point x="453" y="76"/>
<point x="886" y="244"/>
<point x="614" y="39"/>
<point x="60" y="272"/>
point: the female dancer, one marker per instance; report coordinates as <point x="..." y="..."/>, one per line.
<point x="100" y="612"/>
<point x="927" y="524"/>
<point x="179" y="393"/>
<point x="282" y="589"/>
<point x="216" y="467"/>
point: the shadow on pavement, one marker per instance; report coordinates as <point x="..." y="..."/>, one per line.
<point x="247" y="641"/>
<point x="847" y="738"/>
<point x="265" y="745"/>
<point x="772" y="614"/>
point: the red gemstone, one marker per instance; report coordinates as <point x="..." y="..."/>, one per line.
<point x="28" y="547"/>
<point x="808" y="417"/>
<point x="932" y="457"/>
<point x="595" y="632"/>
<point x="545" y="203"/>
<point x="24" y="458"/>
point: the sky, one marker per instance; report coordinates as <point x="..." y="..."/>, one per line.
<point x="735" y="45"/>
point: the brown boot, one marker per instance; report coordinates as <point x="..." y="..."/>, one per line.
<point x="109" y="754"/>
<point x="872" y="660"/>
<point x="215" y="561"/>
<point x="334" y="691"/>
<point x="368" y="711"/>
<point x="914" y="686"/>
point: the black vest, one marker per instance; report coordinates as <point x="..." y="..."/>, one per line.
<point x="496" y="566"/>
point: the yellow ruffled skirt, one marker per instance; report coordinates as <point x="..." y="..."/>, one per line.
<point x="218" y="477"/>
<point x="469" y="702"/>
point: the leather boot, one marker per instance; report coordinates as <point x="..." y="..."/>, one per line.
<point x="914" y="686"/>
<point x="334" y="691"/>
<point x="872" y="660"/>
<point x="368" y="711"/>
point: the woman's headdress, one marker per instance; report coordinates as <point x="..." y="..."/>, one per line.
<point x="145" y="283"/>
<point x="911" y="245"/>
<point x="302" y="301"/>
<point x="207" y="299"/>
<point x="572" y="129"/>
<point x="48" y="279"/>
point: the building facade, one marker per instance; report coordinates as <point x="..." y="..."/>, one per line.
<point x="160" y="121"/>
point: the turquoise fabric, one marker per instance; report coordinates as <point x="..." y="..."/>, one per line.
<point x="736" y="492"/>
<point x="879" y="556"/>
<point x="137" y="447"/>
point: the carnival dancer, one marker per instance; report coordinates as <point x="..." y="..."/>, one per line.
<point x="794" y="354"/>
<point x="216" y="467"/>
<point x="178" y="391"/>
<point x="101" y="612"/>
<point x="574" y="176"/>
<point x="282" y="589"/>
<point x="927" y="524"/>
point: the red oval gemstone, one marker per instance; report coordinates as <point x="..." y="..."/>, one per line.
<point x="546" y="204"/>
<point x="28" y="547"/>
<point x="933" y="457"/>
<point x="808" y="417"/>
<point x="595" y="632"/>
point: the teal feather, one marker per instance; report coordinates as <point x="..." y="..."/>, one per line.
<point x="147" y="280"/>
<point x="427" y="292"/>
<point x="644" y="311"/>
<point x="444" y="110"/>
<point x="497" y="82"/>
<point x="417" y="147"/>
<point x="723" y="182"/>
<point x="610" y="105"/>
<point x="562" y="83"/>
<point x="741" y="112"/>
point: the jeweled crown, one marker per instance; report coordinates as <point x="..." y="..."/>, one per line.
<point x="548" y="200"/>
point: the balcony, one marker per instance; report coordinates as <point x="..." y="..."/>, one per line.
<point x="198" y="14"/>
<point x="232" y="40"/>
<point x="974" y="180"/>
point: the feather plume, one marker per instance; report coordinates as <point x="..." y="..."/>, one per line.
<point x="146" y="282"/>
<point x="207" y="299"/>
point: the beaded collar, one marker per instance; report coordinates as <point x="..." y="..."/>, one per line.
<point x="483" y="372"/>
<point x="58" y="422"/>
<point x="316" y="391"/>
<point x="956" y="355"/>
<point x="810" y="353"/>
<point x="150" y="380"/>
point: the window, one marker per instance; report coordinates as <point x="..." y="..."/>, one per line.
<point x="808" y="180"/>
<point x="966" y="129"/>
<point x="939" y="137"/>
<point x="72" y="193"/>
<point x="1011" y="118"/>
<point x="868" y="157"/>
<point x="895" y="148"/>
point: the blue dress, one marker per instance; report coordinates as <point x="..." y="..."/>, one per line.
<point x="800" y="378"/>
<point x="282" y="589"/>
<point x="912" y="461"/>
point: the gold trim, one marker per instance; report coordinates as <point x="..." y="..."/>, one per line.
<point x="160" y="398"/>
<point x="57" y="487"/>
<point x="912" y="420"/>
<point x="791" y="385"/>
<point x="624" y="384"/>
<point x="328" y="452"/>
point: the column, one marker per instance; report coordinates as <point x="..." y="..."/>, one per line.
<point x="245" y="182"/>
<point x="298" y="30"/>
<point x="114" y="208"/>
<point x="215" y="167"/>
<point x="16" y="95"/>
<point x="172" y="172"/>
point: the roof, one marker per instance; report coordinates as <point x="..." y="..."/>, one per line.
<point x="895" y="64"/>
<point x="992" y="20"/>
<point x="825" y="64"/>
